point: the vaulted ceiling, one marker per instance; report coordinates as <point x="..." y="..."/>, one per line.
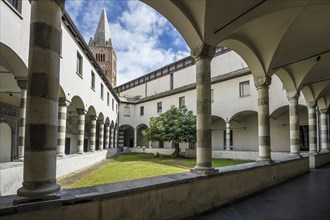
<point x="289" y="38"/>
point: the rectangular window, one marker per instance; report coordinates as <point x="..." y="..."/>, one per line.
<point x="159" y="107"/>
<point x="127" y="112"/>
<point x="101" y="91"/>
<point x="212" y="95"/>
<point x="17" y="4"/>
<point x="113" y="104"/>
<point x="181" y="102"/>
<point x="116" y="107"/>
<point x="171" y="81"/>
<point x="108" y="99"/>
<point x="244" y="89"/>
<point x="142" y="110"/>
<point x="93" y="80"/>
<point x="79" y="64"/>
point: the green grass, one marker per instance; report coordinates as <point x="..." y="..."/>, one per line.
<point x="137" y="166"/>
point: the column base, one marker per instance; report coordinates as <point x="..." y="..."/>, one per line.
<point x="204" y="170"/>
<point x="313" y="153"/>
<point x="20" y="159"/>
<point x="34" y="194"/>
<point x="60" y="155"/>
<point x="80" y="152"/>
<point x="262" y="160"/>
<point x="324" y="150"/>
<point x="297" y="155"/>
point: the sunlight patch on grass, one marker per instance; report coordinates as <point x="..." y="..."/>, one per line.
<point x="116" y="172"/>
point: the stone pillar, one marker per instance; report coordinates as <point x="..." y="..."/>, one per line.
<point x="22" y="84"/>
<point x="312" y="128"/>
<point x="203" y="55"/>
<point x="150" y="144"/>
<point x="116" y="138"/>
<point x="262" y="84"/>
<point x="112" y="135"/>
<point x="107" y="135"/>
<point x="101" y="132"/>
<point x="227" y="135"/>
<point x="135" y="137"/>
<point x="39" y="175"/>
<point x="92" y="134"/>
<point x="81" y="130"/>
<point x="61" y="128"/>
<point x="120" y="138"/>
<point x="324" y="131"/>
<point x="294" y="123"/>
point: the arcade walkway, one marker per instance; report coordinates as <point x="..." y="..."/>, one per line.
<point x="306" y="197"/>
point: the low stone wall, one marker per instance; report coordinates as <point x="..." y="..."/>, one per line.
<point x="11" y="174"/>
<point x="161" y="151"/>
<point x="165" y="197"/>
<point x="319" y="160"/>
<point x="239" y="155"/>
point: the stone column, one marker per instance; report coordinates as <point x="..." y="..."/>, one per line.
<point x="81" y="130"/>
<point x="107" y="135"/>
<point x="262" y="84"/>
<point x="112" y="135"/>
<point x="294" y="123"/>
<point x="120" y="138"/>
<point x="22" y="84"/>
<point x="135" y="137"/>
<point x="116" y="138"/>
<point x="312" y="128"/>
<point x="324" y="131"/>
<point x="203" y="55"/>
<point x="227" y="135"/>
<point x="150" y="144"/>
<point x="39" y="175"/>
<point x="101" y="132"/>
<point x="92" y="134"/>
<point x="61" y="128"/>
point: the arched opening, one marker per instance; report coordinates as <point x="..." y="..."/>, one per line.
<point x="5" y="143"/>
<point x="140" y="139"/>
<point x="126" y="136"/>
<point x="218" y="133"/>
<point x="75" y="108"/>
<point x="280" y="129"/>
<point x="244" y="126"/>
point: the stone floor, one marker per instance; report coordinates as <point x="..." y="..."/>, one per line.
<point x="304" y="198"/>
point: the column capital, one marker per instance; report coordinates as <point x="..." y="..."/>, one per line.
<point x="292" y="95"/>
<point x="311" y="104"/>
<point x="203" y="51"/>
<point x="60" y="3"/>
<point x="80" y="111"/>
<point x="323" y="111"/>
<point x="93" y="117"/>
<point x="63" y="102"/>
<point x="22" y="84"/>
<point x="262" y="81"/>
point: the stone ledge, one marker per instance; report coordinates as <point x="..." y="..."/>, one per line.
<point x="147" y="186"/>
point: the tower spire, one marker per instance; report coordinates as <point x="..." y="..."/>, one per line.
<point x="102" y="35"/>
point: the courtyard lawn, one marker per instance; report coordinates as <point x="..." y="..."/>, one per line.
<point x="137" y="166"/>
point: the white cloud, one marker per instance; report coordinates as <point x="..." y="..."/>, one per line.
<point x="136" y="35"/>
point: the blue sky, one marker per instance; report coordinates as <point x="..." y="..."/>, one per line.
<point x="143" y="39"/>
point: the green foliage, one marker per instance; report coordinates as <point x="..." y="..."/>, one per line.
<point x="176" y="124"/>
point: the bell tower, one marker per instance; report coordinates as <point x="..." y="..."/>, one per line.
<point x="103" y="51"/>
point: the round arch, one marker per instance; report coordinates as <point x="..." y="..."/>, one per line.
<point x="140" y="139"/>
<point x="5" y="143"/>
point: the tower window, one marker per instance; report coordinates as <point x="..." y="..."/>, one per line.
<point x="108" y="99"/>
<point x="171" y="81"/>
<point x="113" y="104"/>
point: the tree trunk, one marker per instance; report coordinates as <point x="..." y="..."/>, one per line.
<point x="176" y="152"/>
